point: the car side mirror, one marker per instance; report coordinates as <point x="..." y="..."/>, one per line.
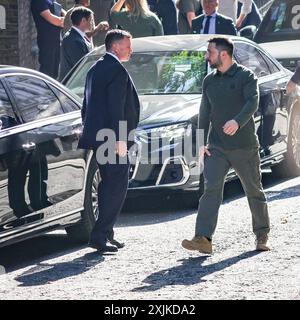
<point x="248" y="32"/>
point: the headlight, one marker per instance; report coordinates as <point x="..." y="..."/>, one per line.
<point x="170" y="132"/>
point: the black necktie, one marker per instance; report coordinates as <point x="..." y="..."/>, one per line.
<point x="206" y="27"/>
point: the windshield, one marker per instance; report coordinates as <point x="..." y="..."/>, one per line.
<point x="282" y="22"/>
<point x="154" y="72"/>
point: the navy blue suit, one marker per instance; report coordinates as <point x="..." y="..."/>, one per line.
<point x="72" y="49"/>
<point x="224" y="25"/>
<point x="110" y="97"/>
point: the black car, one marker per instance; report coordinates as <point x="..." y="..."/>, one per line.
<point x="168" y="73"/>
<point x="44" y="178"/>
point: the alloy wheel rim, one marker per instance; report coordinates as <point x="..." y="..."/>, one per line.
<point x="96" y="181"/>
<point x="296" y="140"/>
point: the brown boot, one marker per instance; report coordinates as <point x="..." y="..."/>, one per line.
<point x="198" y="243"/>
<point x="261" y="243"/>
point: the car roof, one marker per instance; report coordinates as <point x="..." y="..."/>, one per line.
<point x="170" y="43"/>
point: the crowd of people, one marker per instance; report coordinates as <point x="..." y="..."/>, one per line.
<point x="63" y="37"/>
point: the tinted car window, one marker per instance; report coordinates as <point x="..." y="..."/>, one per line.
<point x="76" y="82"/>
<point x="67" y="104"/>
<point x="168" y="72"/>
<point x="282" y="22"/>
<point x="34" y="98"/>
<point x="251" y="58"/>
<point x="155" y="72"/>
<point x="7" y="117"/>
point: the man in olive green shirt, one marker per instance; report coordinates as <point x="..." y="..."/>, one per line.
<point x="229" y="101"/>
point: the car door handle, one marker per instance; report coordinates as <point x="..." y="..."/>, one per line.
<point x="29" y="146"/>
<point x="43" y="107"/>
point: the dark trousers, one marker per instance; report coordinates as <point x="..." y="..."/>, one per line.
<point x="19" y="165"/>
<point x="49" y="56"/>
<point x="246" y="163"/>
<point x="112" y="191"/>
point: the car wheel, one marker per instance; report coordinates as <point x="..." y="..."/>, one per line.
<point x="290" y="167"/>
<point x="81" y="232"/>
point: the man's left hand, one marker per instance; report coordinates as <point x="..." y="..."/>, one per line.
<point x="230" y="127"/>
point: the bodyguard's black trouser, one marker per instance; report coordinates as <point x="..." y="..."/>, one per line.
<point x="112" y="191"/>
<point x="246" y="163"/>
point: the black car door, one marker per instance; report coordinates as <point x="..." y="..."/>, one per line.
<point x="15" y="163"/>
<point x="56" y="172"/>
<point x="271" y="118"/>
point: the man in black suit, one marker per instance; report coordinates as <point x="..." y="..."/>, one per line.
<point x="75" y="44"/>
<point x="109" y="99"/>
<point x="211" y="22"/>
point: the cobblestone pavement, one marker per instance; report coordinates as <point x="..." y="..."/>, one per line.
<point x="154" y="266"/>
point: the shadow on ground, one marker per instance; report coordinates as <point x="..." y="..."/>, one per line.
<point x="189" y="272"/>
<point x="44" y="273"/>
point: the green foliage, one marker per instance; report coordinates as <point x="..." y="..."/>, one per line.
<point x="183" y="72"/>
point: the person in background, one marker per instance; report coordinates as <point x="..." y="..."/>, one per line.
<point x="294" y="81"/>
<point x="254" y="18"/>
<point x="101" y="9"/>
<point x="48" y="16"/>
<point x="75" y="43"/>
<point x="187" y="11"/>
<point x="211" y="22"/>
<point x="166" y="11"/>
<point x="93" y="29"/>
<point x="229" y="8"/>
<point x="137" y="18"/>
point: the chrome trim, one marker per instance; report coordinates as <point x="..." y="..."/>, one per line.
<point x="137" y="163"/>
<point x="38" y="223"/>
<point x="74" y="115"/>
<point x="185" y="170"/>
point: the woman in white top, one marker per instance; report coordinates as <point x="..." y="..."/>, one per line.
<point x="229" y="8"/>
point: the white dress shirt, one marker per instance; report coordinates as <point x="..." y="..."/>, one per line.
<point x="212" y="24"/>
<point x="229" y="8"/>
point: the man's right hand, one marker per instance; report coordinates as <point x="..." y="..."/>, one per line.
<point x="121" y="148"/>
<point x="204" y="150"/>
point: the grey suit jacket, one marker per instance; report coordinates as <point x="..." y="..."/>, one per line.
<point x="224" y="25"/>
<point x="73" y="48"/>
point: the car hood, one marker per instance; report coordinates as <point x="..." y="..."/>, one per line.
<point x="159" y="110"/>
<point x="283" y="49"/>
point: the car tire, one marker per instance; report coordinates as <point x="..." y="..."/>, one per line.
<point x="81" y="231"/>
<point x="290" y="166"/>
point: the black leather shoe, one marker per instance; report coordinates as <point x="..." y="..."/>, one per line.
<point x="111" y="239"/>
<point x="103" y="248"/>
<point x="116" y="243"/>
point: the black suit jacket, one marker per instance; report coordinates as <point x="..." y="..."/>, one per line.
<point x="73" y="48"/>
<point x="224" y="25"/>
<point x="109" y="97"/>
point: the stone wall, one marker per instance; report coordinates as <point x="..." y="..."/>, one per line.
<point x="9" y="47"/>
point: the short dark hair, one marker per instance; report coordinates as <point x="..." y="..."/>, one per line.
<point x="77" y="1"/>
<point x="79" y="13"/>
<point x="223" y="44"/>
<point x="115" y="35"/>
